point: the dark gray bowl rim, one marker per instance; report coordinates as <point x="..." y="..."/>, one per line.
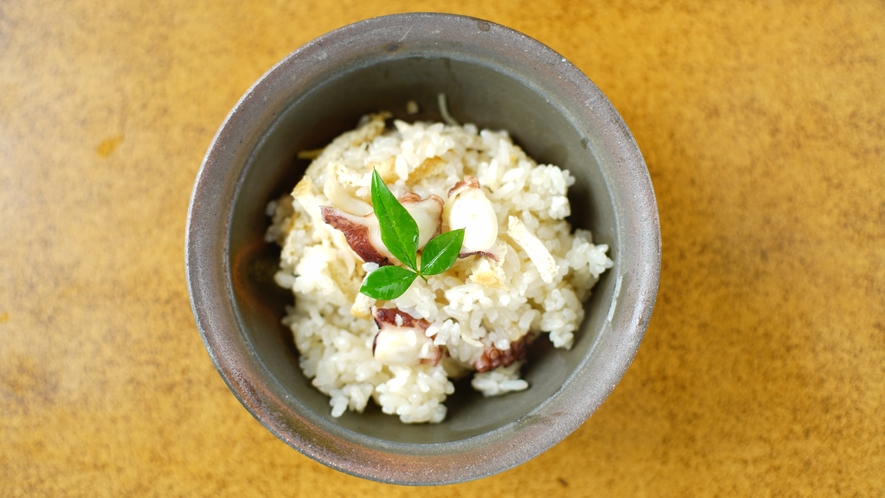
<point x="480" y="456"/>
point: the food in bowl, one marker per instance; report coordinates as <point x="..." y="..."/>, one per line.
<point x="520" y="271"/>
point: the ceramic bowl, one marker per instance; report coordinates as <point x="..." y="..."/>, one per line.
<point x="496" y="78"/>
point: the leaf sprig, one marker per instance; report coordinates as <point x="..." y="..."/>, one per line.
<point x="399" y="233"/>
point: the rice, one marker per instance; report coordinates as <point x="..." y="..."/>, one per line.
<point x="537" y="285"/>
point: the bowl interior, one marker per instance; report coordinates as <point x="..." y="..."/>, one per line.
<point x="477" y="92"/>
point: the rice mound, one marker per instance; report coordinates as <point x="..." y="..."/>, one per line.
<point x="538" y="286"/>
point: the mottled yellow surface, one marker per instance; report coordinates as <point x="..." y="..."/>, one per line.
<point x="763" y="370"/>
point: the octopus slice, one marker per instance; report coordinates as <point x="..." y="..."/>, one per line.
<point x="485" y="254"/>
<point x="467" y="183"/>
<point x="427" y="214"/>
<point x="468" y="207"/>
<point x="363" y="233"/>
<point x="495" y="253"/>
<point x="492" y="357"/>
<point x="401" y="339"/>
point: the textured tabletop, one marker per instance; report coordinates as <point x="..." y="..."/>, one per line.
<point x="762" y="371"/>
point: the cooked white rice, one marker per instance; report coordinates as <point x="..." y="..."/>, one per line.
<point x="538" y="286"/>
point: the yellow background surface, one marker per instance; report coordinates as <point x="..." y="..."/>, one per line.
<point x="763" y="369"/>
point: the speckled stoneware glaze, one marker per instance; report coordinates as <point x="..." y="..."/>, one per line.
<point x="494" y="77"/>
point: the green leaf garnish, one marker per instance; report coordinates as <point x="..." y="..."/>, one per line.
<point x="441" y="252"/>
<point x="388" y="282"/>
<point x="399" y="232"/>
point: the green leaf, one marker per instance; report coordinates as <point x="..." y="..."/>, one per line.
<point x="399" y="232"/>
<point x="388" y="282"/>
<point x="441" y="252"/>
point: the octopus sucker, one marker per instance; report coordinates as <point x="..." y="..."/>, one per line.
<point x="492" y="357"/>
